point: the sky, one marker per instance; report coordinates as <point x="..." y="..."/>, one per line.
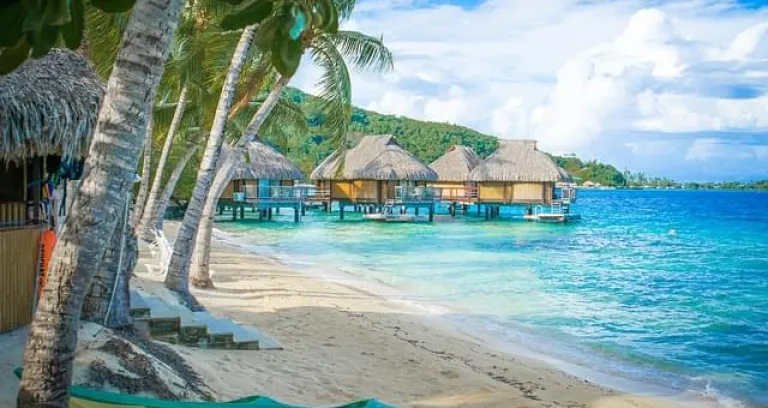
<point x="670" y="88"/>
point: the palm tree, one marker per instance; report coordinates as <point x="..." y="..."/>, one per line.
<point x="109" y="168"/>
<point x="176" y="279"/>
<point x="277" y="114"/>
<point x="282" y="19"/>
<point x="196" y="58"/>
<point x="328" y="49"/>
<point x="146" y="168"/>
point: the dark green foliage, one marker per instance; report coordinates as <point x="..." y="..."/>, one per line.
<point x="30" y="28"/>
<point x="593" y="171"/>
<point x="113" y="6"/>
<point x="426" y="140"/>
<point x="247" y="13"/>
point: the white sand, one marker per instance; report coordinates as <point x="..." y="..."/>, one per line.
<point x="342" y="344"/>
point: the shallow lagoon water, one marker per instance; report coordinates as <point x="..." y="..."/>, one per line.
<point x="663" y="287"/>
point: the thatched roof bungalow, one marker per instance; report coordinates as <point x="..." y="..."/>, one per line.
<point x="518" y="173"/>
<point x="370" y="171"/>
<point x="49" y="109"/>
<point x="455" y="166"/>
<point x="50" y="106"/>
<point x="453" y="170"/>
<point x="264" y="169"/>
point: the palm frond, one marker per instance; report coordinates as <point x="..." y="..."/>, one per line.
<point x="103" y="33"/>
<point x="345" y="8"/>
<point x="364" y="52"/>
<point x="335" y="88"/>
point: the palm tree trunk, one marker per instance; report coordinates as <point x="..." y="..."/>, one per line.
<point x="151" y="207"/>
<point x="107" y="179"/>
<point x="99" y="295"/>
<point x="178" y="269"/>
<point x="201" y="274"/>
<point x="170" y="186"/>
<point x="138" y="206"/>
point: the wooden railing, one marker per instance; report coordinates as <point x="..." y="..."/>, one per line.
<point x="12" y="214"/>
<point x="19" y="253"/>
<point x="458" y="193"/>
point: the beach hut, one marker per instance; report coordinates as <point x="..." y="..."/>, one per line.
<point x="265" y="179"/>
<point x="49" y="109"/>
<point x="453" y="174"/>
<point x="518" y="173"/>
<point x="376" y="171"/>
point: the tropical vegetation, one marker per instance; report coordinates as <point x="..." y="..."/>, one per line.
<point x="125" y="124"/>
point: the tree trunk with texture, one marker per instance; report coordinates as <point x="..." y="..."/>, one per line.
<point x="96" y="303"/>
<point x="200" y="276"/>
<point x="144" y="227"/>
<point x="177" y="278"/>
<point x="107" y="179"/>
<point x="138" y="206"/>
<point x="170" y="186"/>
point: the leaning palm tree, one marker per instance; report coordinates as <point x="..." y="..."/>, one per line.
<point x="196" y="56"/>
<point x="284" y="114"/>
<point x="329" y="51"/>
<point x="111" y="161"/>
<point x="286" y="55"/>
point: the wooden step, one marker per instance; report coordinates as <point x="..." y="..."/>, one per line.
<point x="192" y="332"/>
<point x="219" y="334"/>
<point x="138" y="308"/>
<point x="163" y="321"/>
<point x="265" y="342"/>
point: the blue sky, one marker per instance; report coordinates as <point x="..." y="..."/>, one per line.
<point x="676" y="88"/>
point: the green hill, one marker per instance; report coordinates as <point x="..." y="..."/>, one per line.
<point x="427" y="140"/>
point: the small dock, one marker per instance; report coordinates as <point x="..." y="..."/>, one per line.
<point x="270" y="200"/>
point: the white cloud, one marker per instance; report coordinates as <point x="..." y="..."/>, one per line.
<point x="701" y="149"/>
<point x="576" y="75"/>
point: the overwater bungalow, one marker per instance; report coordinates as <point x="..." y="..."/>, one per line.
<point x="265" y="181"/>
<point x="49" y="110"/>
<point x="519" y="174"/>
<point x="376" y="175"/>
<point x="453" y="171"/>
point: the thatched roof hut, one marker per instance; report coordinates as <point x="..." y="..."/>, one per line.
<point x="377" y="157"/>
<point x="456" y="165"/>
<point x="49" y="106"/>
<point x="266" y="163"/>
<point x="519" y="161"/>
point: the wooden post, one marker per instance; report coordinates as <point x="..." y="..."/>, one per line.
<point x="487" y="213"/>
<point x="303" y="209"/>
<point x="269" y="213"/>
<point x="260" y="214"/>
<point x="464" y="208"/>
<point x="478" y="209"/>
<point x="341" y="211"/>
<point x="277" y="211"/>
<point x="234" y="213"/>
<point x="417" y="211"/>
<point x="297" y="212"/>
<point x="431" y="212"/>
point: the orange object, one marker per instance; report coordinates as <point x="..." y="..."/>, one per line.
<point x="48" y="242"/>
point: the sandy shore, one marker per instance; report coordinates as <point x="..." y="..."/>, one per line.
<point x="342" y="344"/>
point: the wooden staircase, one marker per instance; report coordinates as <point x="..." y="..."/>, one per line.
<point x="176" y="324"/>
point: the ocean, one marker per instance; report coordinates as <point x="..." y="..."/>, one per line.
<point x="663" y="288"/>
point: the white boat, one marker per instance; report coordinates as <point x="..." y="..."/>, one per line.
<point x="390" y="217"/>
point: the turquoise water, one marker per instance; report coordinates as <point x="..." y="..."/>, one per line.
<point x="665" y="287"/>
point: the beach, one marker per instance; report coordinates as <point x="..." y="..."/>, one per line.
<point x="342" y="343"/>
